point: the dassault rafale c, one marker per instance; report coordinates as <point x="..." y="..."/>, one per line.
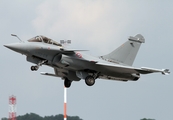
<point x="74" y="65"/>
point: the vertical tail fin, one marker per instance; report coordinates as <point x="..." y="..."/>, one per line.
<point x="127" y="52"/>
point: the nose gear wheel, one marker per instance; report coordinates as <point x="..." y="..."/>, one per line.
<point x="34" y="68"/>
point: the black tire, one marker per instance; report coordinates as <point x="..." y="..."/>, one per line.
<point x="32" y="68"/>
<point x="67" y="83"/>
<point x="89" y="80"/>
<point x="35" y="68"/>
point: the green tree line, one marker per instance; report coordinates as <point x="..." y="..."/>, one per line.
<point x="33" y="116"/>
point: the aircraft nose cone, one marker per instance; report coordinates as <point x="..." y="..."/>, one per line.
<point x="7" y="46"/>
<point x="15" y="47"/>
<point x="12" y="46"/>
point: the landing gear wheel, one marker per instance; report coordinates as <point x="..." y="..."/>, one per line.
<point x="89" y="80"/>
<point x="34" y="68"/>
<point x="67" y="83"/>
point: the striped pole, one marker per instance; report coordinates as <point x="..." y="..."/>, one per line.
<point x="65" y="103"/>
<point x="12" y="107"/>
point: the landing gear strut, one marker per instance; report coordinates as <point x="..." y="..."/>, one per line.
<point x="35" y="68"/>
<point x="67" y="83"/>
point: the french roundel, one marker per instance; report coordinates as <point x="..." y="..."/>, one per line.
<point x="79" y="55"/>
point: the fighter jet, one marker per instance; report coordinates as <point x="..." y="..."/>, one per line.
<point x="74" y="65"/>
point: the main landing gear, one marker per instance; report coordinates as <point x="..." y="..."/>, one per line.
<point x="67" y="83"/>
<point x="35" y="68"/>
<point x="89" y="80"/>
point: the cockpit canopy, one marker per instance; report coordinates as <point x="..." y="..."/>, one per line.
<point x="44" y="39"/>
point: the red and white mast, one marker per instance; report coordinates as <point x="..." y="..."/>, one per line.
<point x="65" y="103"/>
<point x="12" y="107"/>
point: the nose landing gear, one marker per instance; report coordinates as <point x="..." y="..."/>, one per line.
<point x="35" y="68"/>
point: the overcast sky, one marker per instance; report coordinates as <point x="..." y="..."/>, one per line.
<point x="99" y="26"/>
